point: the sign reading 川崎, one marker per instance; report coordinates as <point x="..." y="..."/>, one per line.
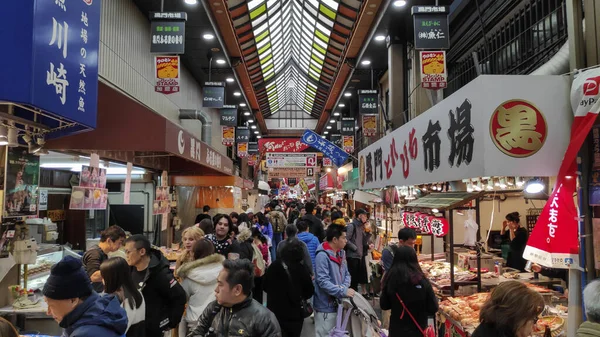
<point x="494" y="126"/>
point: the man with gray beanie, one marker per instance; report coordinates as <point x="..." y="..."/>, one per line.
<point x="77" y="308"/>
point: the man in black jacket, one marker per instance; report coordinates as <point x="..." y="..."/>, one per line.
<point x="235" y="313"/>
<point x="315" y="225"/>
<point x="165" y="298"/>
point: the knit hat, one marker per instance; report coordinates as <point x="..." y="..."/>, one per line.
<point x="67" y="280"/>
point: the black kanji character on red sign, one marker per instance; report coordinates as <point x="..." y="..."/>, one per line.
<point x="431" y="146"/>
<point x="379" y="163"/>
<point x="460" y="133"/>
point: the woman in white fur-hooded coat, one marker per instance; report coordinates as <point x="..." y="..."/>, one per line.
<point x="199" y="279"/>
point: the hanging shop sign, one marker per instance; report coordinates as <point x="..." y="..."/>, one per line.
<point x="348" y="142"/>
<point x="431" y="27"/>
<point x="329" y="150"/>
<point x="166" y="70"/>
<point x="228" y="135"/>
<point x="253" y="147"/>
<point x="161" y="204"/>
<point x="22" y="180"/>
<point x="252" y="159"/>
<point x="53" y="65"/>
<point x="242" y="150"/>
<point x="326" y="182"/>
<point x="327" y="162"/>
<point x="494" y="126"/>
<point x="554" y="241"/>
<point x="213" y="95"/>
<point x="43" y="200"/>
<point x="229" y="115"/>
<point x="91" y="192"/>
<point x="369" y="125"/>
<point x="337" y="139"/>
<point x="367" y="102"/>
<point x="289" y="172"/>
<point x="168" y="32"/>
<point x="281" y="145"/>
<point x="242" y="134"/>
<point x="291" y="159"/>
<point x="433" y="69"/>
<point x="348" y="126"/>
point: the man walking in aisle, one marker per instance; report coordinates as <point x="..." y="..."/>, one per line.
<point x="315" y="225"/>
<point x="311" y="241"/>
<point x="165" y="298"/>
<point x="332" y="279"/>
<point x="278" y="221"/>
<point x="357" y="248"/>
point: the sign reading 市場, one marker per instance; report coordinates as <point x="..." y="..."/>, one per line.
<point x="493" y="126"/>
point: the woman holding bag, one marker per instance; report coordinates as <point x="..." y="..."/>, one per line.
<point x="408" y="293"/>
<point x="288" y="285"/>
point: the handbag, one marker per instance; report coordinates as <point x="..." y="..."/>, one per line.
<point x="305" y="307"/>
<point x="427" y="332"/>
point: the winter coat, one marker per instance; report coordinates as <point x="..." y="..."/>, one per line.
<point x="96" y="316"/>
<point x="589" y="329"/>
<point x="312" y="243"/>
<point x="275" y="216"/>
<point x="306" y="261"/>
<point x="332" y="278"/>
<point x="92" y="259"/>
<point x="267" y="231"/>
<point x="419" y="299"/>
<point x="358" y="240"/>
<point x="199" y="281"/>
<point x="491" y="330"/>
<point x="315" y="226"/>
<point x="517" y="247"/>
<point x="284" y="292"/>
<point x="248" y="318"/>
<point x="165" y="298"/>
<point x="136" y="319"/>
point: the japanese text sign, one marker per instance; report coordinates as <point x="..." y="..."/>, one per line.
<point x="53" y="64"/>
<point x="493" y="126"/>
<point x="348" y="143"/>
<point x="347" y="126"/>
<point x="281" y="145"/>
<point x="431" y="27"/>
<point x="369" y="125"/>
<point x="327" y="162"/>
<point x="166" y="72"/>
<point x="329" y="149"/>
<point x="228" y="135"/>
<point x="367" y="102"/>
<point x="433" y="69"/>
<point x="287" y="172"/>
<point x="168" y="32"/>
<point x="253" y="148"/>
<point x="336" y="139"/>
<point x="242" y="135"/>
<point x="275" y="159"/>
<point x="229" y="115"/>
<point x="213" y="95"/>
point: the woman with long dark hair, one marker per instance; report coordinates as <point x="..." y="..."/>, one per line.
<point x="407" y="290"/>
<point x="263" y="224"/>
<point x="116" y="274"/>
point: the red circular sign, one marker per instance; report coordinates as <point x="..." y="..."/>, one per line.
<point x="518" y="128"/>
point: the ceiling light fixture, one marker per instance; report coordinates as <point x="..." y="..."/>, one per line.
<point x="380" y="38"/>
<point x="242" y="104"/>
<point x="13" y="136"/>
<point x="341" y="105"/>
<point x="323" y="137"/>
<point x="256" y="132"/>
<point x="3" y="135"/>
<point x="247" y="113"/>
<point x="534" y="186"/>
<point x="347" y="94"/>
<point x="337" y="113"/>
<point x="366" y="62"/>
<point x="191" y="2"/>
<point x="258" y="137"/>
<point x="326" y="132"/>
<point x="250" y="121"/>
<point x="237" y="93"/>
<point x="399" y="3"/>
<point x="221" y="61"/>
<point x="332" y="121"/>
<point x="253" y="127"/>
<point x="328" y="127"/>
<point x="208" y="36"/>
<point x="230" y="79"/>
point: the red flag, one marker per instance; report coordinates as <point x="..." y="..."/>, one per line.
<point x="554" y="241"/>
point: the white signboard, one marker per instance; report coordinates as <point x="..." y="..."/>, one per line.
<point x="275" y="159"/>
<point x="503" y="125"/>
<point x="43" y="206"/>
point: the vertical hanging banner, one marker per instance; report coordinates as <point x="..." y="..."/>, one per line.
<point x="367" y="102"/>
<point x="213" y="95"/>
<point x="166" y="71"/>
<point x="348" y="142"/>
<point x="369" y="125"/>
<point x="433" y="69"/>
<point x="227" y="135"/>
<point x="168" y="32"/>
<point x="228" y="115"/>
<point x="432" y="30"/>
<point x="242" y="150"/>
<point x="554" y="241"/>
<point x="337" y="155"/>
<point x="22" y="180"/>
<point x="127" y="189"/>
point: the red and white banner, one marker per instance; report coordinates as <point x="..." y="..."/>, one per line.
<point x="228" y="135"/>
<point x="242" y="150"/>
<point x="554" y="241"/>
<point x="281" y="145"/>
<point x="348" y="143"/>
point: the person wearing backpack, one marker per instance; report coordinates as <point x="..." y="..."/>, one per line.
<point x="278" y="221"/>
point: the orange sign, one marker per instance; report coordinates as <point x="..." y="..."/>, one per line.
<point x="167" y="74"/>
<point x="369" y="125"/>
<point x="433" y="69"/>
<point x="348" y="143"/>
<point x="518" y="128"/>
<point x="228" y="135"/>
<point x="242" y="150"/>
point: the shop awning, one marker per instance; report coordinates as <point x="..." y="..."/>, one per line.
<point x="444" y="201"/>
<point x="364" y="197"/>
<point x="130" y="132"/>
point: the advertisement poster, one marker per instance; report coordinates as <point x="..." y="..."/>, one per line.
<point x="167" y="74"/>
<point x="92" y="177"/>
<point x="242" y="150"/>
<point x="87" y="198"/>
<point x="369" y="125"/>
<point x="348" y="143"/>
<point x="161" y="202"/>
<point x="43" y="201"/>
<point x="22" y="179"/>
<point x="327" y="162"/>
<point x="433" y="69"/>
<point x="252" y="159"/>
<point x="228" y="135"/>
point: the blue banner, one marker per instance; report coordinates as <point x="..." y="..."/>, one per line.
<point x="52" y="63"/>
<point x="336" y="154"/>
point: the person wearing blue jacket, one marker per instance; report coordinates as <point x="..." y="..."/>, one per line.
<point x="332" y="279"/>
<point x="311" y="241"/>
<point x="77" y="308"/>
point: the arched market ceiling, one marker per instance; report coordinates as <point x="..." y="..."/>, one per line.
<point x="294" y="50"/>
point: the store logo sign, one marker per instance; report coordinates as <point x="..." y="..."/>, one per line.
<point x="88" y="2"/>
<point x="518" y="128"/>
<point x="181" y="142"/>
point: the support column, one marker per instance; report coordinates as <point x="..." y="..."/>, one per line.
<point x="396" y="79"/>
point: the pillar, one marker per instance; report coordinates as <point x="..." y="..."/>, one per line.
<point x="397" y="83"/>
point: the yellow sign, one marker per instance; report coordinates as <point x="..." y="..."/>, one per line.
<point x="57" y="215"/>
